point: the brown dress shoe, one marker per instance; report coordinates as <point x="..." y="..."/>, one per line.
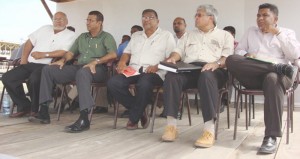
<point x="131" y="126"/>
<point x="18" y="114"/>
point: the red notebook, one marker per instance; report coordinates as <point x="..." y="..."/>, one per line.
<point x="129" y="71"/>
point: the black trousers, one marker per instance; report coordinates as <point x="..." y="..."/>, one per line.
<point x="118" y="87"/>
<point x="208" y="84"/>
<point x="53" y="75"/>
<point x="257" y="75"/>
<point x="13" y="81"/>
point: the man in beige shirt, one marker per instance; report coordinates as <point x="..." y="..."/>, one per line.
<point x="207" y="46"/>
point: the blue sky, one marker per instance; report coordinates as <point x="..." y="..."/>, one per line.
<point x="19" y="18"/>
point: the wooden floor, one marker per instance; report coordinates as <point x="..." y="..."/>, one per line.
<point x="24" y="140"/>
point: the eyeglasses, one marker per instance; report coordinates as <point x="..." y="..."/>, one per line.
<point x="148" y="18"/>
<point x="90" y="20"/>
<point x="58" y="19"/>
<point x="201" y="15"/>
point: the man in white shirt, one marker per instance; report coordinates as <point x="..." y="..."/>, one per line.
<point x="179" y="27"/>
<point x="207" y="46"/>
<point x="43" y="45"/>
<point x="270" y="42"/>
<point x="144" y="52"/>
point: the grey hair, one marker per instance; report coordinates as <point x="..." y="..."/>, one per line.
<point x="210" y="10"/>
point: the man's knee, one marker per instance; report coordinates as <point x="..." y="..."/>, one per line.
<point x="230" y="60"/>
<point x="271" y="79"/>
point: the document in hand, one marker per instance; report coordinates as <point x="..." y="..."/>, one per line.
<point x="178" y="67"/>
<point x="129" y="71"/>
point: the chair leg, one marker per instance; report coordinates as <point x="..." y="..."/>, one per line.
<point x="246" y="112"/>
<point x="60" y="103"/>
<point x="237" y="109"/>
<point x="253" y="107"/>
<point x="188" y="109"/>
<point x="250" y="104"/>
<point x="218" y="115"/>
<point x="116" y="111"/>
<point x="196" y="103"/>
<point x="228" y="112"/>
<point x="153" y="111"/>
<point x="288" y="118"/>
<point x="2" y="95"/>
<point x="292" y="110"/>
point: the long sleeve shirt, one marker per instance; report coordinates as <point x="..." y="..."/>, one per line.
<point x="281" y="48"/>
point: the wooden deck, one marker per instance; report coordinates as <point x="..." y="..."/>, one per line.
<point x="24" y="140"/>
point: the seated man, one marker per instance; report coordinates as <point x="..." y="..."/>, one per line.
<point x="208" y="46"/>
<point x="122" y="45"/>
<point x="44" y="44"/>
<point x="271" y="42"/>
<point x="95" y="48"/>
<point x="144" y="52"/>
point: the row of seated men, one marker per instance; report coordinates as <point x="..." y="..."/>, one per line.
<point x="206" y="45"/>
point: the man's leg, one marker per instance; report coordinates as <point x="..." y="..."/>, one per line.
<point x="118" y="87"/>
<point x="51" y="75"/>
<point x="84" y="78"/>
<point x="173" y="86"/>
<point x="34" y="81"/>
<point x="273" y="105"/>
<point x="209" y="84"/>
<point x="143" y="97"/>
<point x="251" y="73"/>
<point x="13" y="81"/>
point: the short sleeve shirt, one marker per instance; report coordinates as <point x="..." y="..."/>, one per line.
<point x="87" y="48"/>
<point x="198" y="46"/>
<point x="149" y="51"/>
<point x="45" y="40"/>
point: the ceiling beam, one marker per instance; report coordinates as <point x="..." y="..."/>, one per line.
<point x="47" y="9"/>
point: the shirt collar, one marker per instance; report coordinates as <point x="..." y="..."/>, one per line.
<point x="157" y="31"/>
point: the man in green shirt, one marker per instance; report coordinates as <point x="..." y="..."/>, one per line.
<point x="93" y="49"/>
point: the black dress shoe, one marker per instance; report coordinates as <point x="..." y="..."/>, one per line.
<point x="79" y="126"/>
<point x="39" y="119"/>
<point x="268" y="146"/>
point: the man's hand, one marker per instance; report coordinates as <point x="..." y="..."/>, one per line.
<point x="152" y="69"/>
<point x="171" y="60"/>
<point x="92" y="66"/>
<point x="252" y="55"/>
<point x="60" y="63"/>
<point x="38" y="55"/>
<point x="210" y="66"/>
<point x="121" y="67"/>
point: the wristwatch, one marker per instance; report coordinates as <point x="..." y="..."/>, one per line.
<point x="219" y="63"/>
<point x="98" y="60"/>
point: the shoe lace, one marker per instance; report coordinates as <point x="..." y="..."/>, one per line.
<point x="207" y="135"/>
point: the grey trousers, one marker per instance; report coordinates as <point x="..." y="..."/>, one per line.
<point x="257" y="75"/>
<point x="51" y="75"/>
<point x="208" y="84"/>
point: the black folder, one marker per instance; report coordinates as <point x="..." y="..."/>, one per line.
<point x="178" y="67"/>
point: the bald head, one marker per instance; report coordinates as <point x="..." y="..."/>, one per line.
<point x="60" y="21"/>
<point x="179" y="26"/>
